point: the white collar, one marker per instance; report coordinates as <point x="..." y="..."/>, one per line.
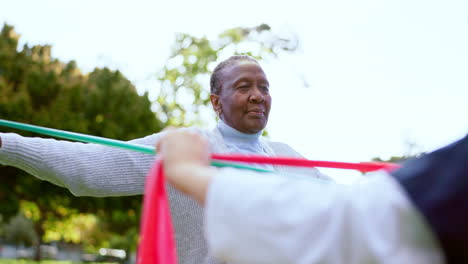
<point x="233" y="134"/>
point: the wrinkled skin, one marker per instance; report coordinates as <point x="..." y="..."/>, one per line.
<point x="244" y="101"/>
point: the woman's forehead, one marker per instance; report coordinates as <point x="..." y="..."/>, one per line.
<point x="243" y="70"/>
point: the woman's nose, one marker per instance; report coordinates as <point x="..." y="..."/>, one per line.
<point x="256" y="95"/>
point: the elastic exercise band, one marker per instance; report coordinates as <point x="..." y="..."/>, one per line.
<point x="286" y="161"/>
<point x="157" y="243"/>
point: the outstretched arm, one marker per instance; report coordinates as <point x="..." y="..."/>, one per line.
<point x="85" y="169"/>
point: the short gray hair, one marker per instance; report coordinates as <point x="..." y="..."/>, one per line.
<point x="216" y="77"/>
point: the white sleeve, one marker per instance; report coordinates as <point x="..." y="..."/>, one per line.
<point x="85" y="169"/>
<point x="267" y="218"/>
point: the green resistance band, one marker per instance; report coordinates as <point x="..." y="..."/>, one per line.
<point x="106" y="141"/>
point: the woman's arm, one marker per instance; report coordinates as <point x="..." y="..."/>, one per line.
<point x="85" y="169"/>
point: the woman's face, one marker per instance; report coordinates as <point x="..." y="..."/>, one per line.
<point x="244" y="101"/>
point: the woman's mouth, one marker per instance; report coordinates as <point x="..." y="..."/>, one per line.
<point x="255" y="113"/>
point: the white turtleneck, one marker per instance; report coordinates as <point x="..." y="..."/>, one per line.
<point x="238" y="142"/>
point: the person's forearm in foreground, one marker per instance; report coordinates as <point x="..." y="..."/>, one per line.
<point x="268" y="218"/>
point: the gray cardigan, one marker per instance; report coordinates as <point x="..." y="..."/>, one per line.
<point x="95" y="170"/>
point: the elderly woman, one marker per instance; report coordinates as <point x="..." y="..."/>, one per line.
<point x="239" y="95"/>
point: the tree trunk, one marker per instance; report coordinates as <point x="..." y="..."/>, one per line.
<point x="37" y="251"/>
<point x="40" y="233"/>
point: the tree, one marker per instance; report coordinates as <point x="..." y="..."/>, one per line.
<point x="412" y="150"/>
<point x="1" y="227"/>
<point x="38" y="89"/>
<point x="20" y="231"/>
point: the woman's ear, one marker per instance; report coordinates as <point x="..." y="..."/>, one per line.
<point x="216" y="103"/>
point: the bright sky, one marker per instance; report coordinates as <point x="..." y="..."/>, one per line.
<point x="380" y="73"/>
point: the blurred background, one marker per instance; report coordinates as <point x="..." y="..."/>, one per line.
<point x="350" y="81"/>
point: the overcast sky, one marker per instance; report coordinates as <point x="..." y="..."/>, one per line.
<point x="380" y="73"/>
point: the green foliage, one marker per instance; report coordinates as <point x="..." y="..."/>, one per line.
<point x="393" y="159"/>
<point x="184" y="80"/>
<point x="398" y="159"/>
<point x="2" y="227"/>
<point x="35" y="88"/>
<point x="25" y="261"/>
<point x="412" y="150"/>
<point x="38" y="89"/>
<point x="20" y="231"/>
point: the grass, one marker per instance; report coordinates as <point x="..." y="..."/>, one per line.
<point x="23" y="261"/>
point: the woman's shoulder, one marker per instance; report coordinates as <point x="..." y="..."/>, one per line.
<point x="153" y="138"/>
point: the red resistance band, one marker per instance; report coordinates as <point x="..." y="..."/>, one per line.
<point x="157" y="242"/>
<point x="300" y="162"/>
